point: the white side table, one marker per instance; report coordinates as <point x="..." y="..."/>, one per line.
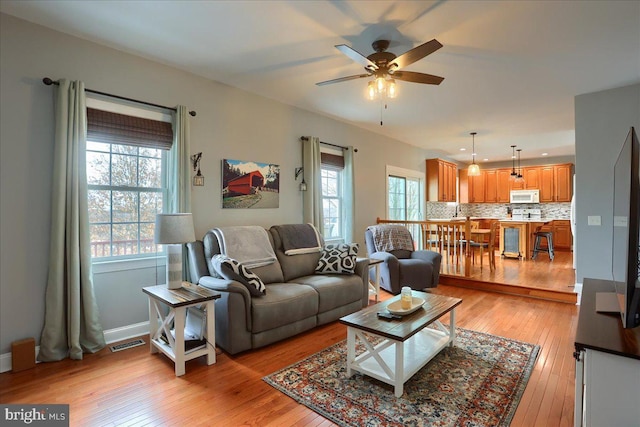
<point x="178" y="300"/>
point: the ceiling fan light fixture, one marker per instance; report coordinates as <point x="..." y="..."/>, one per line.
<point x="371" y="91"/>
<point x="381" y="84"/>
<point x="392" y="89"/>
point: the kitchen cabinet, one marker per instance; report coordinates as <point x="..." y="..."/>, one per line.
<point x="531" y="178"/>
<point x="563" y="182"/>
<point x="561" y="229"/>
<point x="547" y="190"/>
<point x="503" y="185"/>
<point x="477" y="187"/>
<point x="562" y="238"/>
<point x="441" y="180"/>
<point x="491" y="186"/>
<point x="472" y="188"/>
<point x="553" y="181"/>
<point x="494" y="185"/>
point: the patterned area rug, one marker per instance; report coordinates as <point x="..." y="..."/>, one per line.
<point x="478" y="382"/>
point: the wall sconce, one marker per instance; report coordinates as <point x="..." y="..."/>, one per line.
<point x="303" y="185"/>
<point x="198" y="179"/>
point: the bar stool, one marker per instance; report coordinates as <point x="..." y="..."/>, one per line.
<point x="537" y="247"/>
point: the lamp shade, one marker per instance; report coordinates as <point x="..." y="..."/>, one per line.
<point x="474" y="170"/>
<point x="174" y="228"/>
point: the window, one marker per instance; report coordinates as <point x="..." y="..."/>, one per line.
<point x="125" y="180"/>
<point x="125" y="194"/>
<point x="405" y="200"/>
<point x="333" y="206"/>
<point x="332" y="202"/>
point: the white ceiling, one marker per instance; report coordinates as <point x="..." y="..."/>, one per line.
<point x="511" y="68"/>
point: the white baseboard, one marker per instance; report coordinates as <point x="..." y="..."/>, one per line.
<point x="577" y="288"/>
<point x="110" y="336"/>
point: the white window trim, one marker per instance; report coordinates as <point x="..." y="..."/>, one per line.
<point x="101" y="267"/>
<point x="404" y="173"/>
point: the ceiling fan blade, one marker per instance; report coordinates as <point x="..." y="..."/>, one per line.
<point x="410" y="76"/>
<point x="342" y="79"/>
<point x="417" y="53"/>
<point x="356" y="56"/>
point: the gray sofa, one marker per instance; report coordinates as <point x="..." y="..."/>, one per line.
<point x="296" y="298"/>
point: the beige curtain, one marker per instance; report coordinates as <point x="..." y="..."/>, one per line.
<point x="71" y="325"/>
<point x="178" y="199"/>
<point x="312" y="198"/>
<point x="349" y="195"/>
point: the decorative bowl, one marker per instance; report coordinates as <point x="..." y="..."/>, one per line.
<point x="396" y="306"/>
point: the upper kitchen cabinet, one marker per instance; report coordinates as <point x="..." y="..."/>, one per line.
<point x="503" y="185"/>
<point x="563" y="182"/>
<point x="491" y="186"/>
<point x="441" y="180"/>
<point x="547" y="191"/>
<point x="494" y="185"/>
<point x="472" y="188"/>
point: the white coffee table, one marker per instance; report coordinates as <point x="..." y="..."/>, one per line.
<point x="403" y="346"/>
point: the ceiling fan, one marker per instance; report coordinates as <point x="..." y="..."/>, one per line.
<point x="386" y="65"/>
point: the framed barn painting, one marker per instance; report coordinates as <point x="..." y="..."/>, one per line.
<point x="250" y="185"/>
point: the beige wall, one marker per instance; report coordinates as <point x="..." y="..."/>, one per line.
<point x="230" y="124"/>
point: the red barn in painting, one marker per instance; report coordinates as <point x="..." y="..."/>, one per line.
<point x="243" y="184"/>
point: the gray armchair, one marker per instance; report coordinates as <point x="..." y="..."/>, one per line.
<point x="418" y="269"/>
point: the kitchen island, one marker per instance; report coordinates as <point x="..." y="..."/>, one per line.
<point x="516" y="237"/>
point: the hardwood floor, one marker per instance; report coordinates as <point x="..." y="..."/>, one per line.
<point x="135" y="388"/>
<point x="554" y="280"/>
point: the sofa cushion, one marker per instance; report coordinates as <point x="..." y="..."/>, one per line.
<point x="231" y="269"/>
<point x="284" y="303"/>
<point x="293" y="265"/>
<point x="338" y="259"/>
<point x="334" y="290"/>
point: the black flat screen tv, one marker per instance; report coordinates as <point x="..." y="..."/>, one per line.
<point x="625" y="252"/>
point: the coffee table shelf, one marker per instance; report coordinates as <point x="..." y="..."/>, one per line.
<point x="396" y="350"/>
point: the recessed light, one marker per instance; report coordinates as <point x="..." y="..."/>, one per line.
<point x="463" y="149"/>
<point x="486" y="160"/>
<point x="545" y="154"/>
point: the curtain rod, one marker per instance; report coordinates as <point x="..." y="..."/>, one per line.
<point x="50" y="82"/>
<point x="355" y="150"/>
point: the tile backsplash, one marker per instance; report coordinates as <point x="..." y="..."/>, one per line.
<point x="495" y="210"/>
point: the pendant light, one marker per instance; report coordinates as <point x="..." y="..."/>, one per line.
<point x="519" y="177"/>
<point x="474" y="169"/>
<point x="514" y="174"/>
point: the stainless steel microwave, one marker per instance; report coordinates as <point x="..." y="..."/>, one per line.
<point x="525" y="196"/>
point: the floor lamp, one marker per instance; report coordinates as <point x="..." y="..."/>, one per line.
<point x="173" y="230"/>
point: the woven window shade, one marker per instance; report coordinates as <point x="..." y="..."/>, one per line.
<point x="332" y="160"/>
<point x="114" y="128"/>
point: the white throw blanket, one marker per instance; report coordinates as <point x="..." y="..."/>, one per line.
<point x="247" y="244"/>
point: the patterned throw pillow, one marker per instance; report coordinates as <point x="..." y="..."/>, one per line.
<point x="231" y="269"/>
<point x="340" y="259"/>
